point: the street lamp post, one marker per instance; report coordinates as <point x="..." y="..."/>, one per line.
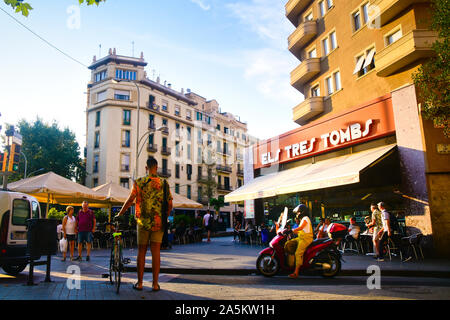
<point x="26" y="164"/>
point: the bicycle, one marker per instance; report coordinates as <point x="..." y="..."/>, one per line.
<point x="116" y="260"/>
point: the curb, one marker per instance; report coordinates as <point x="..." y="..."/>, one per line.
<point x="343" y="273"/>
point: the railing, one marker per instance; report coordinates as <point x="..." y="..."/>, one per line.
<point x="222" y="187"/>
<point x="224" y="168"/>
<point x="152" y="148"/>
<point x="166" y="151"/>
<point x="165" y="173"/>
<point x="153" y="107"/>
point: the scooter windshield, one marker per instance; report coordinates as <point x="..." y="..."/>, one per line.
<point x="284" y="220"/>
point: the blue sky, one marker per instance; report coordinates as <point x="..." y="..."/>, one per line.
<point x="234" y="51"/>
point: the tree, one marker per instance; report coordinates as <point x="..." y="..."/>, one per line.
<point x="48" y="147"/>
<point x="210" y="183"/>
<point x="25" y="7"/>
<point x="433" y="77"/>
<point x="217" y="203"/>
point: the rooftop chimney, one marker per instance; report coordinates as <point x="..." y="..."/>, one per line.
<point x="182" y="90"/>
<point x="95" y="59"/>
<point x="114" y="51"/>
<point x="170" y="86"/>
<point x="110" y="51"/>
<point x="142" y="55"/>
<point x="158" y="79"/>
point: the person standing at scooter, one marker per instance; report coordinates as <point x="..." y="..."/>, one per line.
<point x="304" y="237"/>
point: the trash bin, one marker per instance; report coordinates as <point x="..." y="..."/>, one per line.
<point x="42" y="239"/>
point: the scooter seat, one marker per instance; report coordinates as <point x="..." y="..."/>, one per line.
<point x="319" y="241"/>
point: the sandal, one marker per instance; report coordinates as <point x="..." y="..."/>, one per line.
<point x="135" y="287"/>
<point x="154" y="290"/>
<point x="293" y="276"/>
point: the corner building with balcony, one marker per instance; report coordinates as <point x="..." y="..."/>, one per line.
<point x="189" y="136"/>
<point x="362" y="137"/>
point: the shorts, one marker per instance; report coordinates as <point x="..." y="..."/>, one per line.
<point x="85" y="236"/>
<point x="375" y="234"/>
<point x="208" y="228"/>
<point x="145" y="236"/>
<point x="71" y="237"/>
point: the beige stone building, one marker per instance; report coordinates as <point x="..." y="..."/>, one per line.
<point x="186" y="133"/>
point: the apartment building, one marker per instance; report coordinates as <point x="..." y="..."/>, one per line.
<point x="360" y="107"/>
<point x="190" y="137"/>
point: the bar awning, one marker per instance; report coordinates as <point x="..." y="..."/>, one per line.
<point x="328" y="173"/>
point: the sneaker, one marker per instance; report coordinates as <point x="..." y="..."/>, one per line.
<point x="79" y="258"/>
<point x="380" y="259"/>
<point x="375" y="257"/>
<point x="88" y="258"/>
<point x="407" y="259"/>
<point x="63" y="259"/>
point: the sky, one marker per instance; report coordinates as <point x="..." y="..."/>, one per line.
<point x="233" y="51"/>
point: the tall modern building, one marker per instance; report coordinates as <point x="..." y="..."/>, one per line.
<point x="194" y="142"/>
<point x="362" y="137"/>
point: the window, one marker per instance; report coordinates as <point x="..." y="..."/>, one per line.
<point x="329" y="3"/>
<point x="225" y="130"/>
<point x="151" y="139"/>
<point x="125" y="162"/>
<point x="177" y="129"/>
<point x="97" y="118"/>
<point x="189" y="133"/>
<point x="333" y="40"/>
<point x="177" y="148"/>
<point x="164" y="143"/>
<point x="97" y="140"/>
<point x="365" y="10"/>
<point x="21" y="212"/>
<point x="189" y="171"/>
<point x="177" y="188"/>
<point x="315" y="91"/>
<point x="199" y="155"/>
<point x="101" y="96"/>
<point x="356" y="17"/>
<point x="199" y="194"/>
<point x="165" y="106"/>
<point x="95" y="168"/>
<point x="188" y="114"/>
<point x="164" y="122"/>
<point x="189" y="151"/>
<point x="125" y="182"/>
<point x="164" y="165"/>
<point x="122" y="95"/>
<point x="95" y="182"/>
<point x="151" y="101"/>
<point x="365" y="62"/>
<point x="312" y="53"/>
<point x="391" y="38"/>
<point x="309" y="17"/>
<point x="337" y="81"/>
<point x="151" y="121"/>
<point x="239" y="183"/>
<point x="126" y="138"/>
<point x="177" y="171"/>
<point x="329" y="83"/>
<point x="199" y="136"/>
<point x="126" y="117"/>
<point x="322" y="8"/>
<point x="189" y="192"/>
<point x="177" y="111"/>
<point x="199" y="116"/>
<point x="99" y="76"/>
<point x="227" y="183"/>
<point x="326" y="49"/>
<point x="35" y="210"/>
<point x="209" y="139"/>
<point x="125" y="74"/>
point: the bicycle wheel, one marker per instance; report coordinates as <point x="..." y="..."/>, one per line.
<point x="117" y="265"/>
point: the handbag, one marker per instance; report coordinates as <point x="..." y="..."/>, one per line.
<point x="63" y="245"/>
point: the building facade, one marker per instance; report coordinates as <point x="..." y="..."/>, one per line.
<point x="192" y="140"/>
<point x="356" y="61"/>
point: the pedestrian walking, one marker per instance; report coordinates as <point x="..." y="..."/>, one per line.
<point x="153" y="205"/>
<point x="69" y="228"/>
<point x="207" y="223"/>
<point x="385" y="233"/>
<point x="376" y="224"/>
<point x="86" y="228"/>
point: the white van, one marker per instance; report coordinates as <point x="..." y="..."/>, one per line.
<point x="15" y="209"/>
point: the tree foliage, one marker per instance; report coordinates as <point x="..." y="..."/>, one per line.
<point x="433" y="77"/>
<point x="48" y="147"/>
<point x="25" y="7"/>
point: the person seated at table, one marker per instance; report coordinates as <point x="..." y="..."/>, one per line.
<point x="322" y="233"/>
<point x="249" y="229"/>
<point x="237" y="227"/>
<point x="353" y="231"/>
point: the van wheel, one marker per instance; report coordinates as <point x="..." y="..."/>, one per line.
<point x="14" y="270"/>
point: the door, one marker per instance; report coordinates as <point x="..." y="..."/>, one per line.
<point x="21" y="212"/>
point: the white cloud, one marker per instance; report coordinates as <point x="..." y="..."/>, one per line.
<point x="201" y="4"/>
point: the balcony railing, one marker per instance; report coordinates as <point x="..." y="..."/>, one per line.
<point x="293" y="9"/>
<point x="152" y="148"/>
<point x="308" y="109"/>
<point x="222" y="187"/>
<point x="151" y="125"/>
<point x="301" y="36"/>
<point x="153" y="107"/>
<point x="305" y="72"/>
<point x="413" y="46"/>
<point x="222" y="168"/>
<point x="165" y="173"/>
<point x="166" y="151"/>
<point x="165" y="130"/>
<point x="240" y="172"/>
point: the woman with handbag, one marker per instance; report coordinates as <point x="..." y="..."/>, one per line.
<point x="70" y="234"/>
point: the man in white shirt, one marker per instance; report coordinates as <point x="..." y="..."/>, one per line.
<point x="207" y="224"/>
<point x="385" y="232"/>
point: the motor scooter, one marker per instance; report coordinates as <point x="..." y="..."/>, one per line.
<point x="321" y="257"/>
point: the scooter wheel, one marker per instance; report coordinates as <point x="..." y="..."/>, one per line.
<point x="335" y="263"/>
<point x="267" y="266"/>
